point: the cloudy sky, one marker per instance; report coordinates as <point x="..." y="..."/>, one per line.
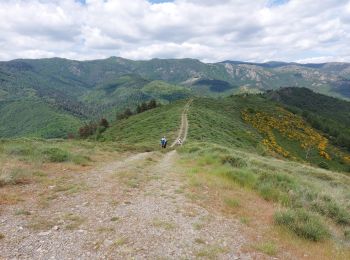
<point x="209" y="30"/>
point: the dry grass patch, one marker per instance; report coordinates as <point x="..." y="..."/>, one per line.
<point x="211" y="252"/>
<point x="120" y="241"/>
<point x="163" y="224"/>
<point x="22" y="212"/>
<point x="8" y="197"/>
<point x="268" y="248"/>
<point x="73" y="221"/>
<point x="42" y="223"/>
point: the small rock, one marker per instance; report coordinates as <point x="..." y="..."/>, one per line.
<point x="51" y="187"/>
<point x="44" y="233"/>
<point x="56" y="228"/>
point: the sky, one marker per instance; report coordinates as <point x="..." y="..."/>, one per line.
<point x="305" y="31"/>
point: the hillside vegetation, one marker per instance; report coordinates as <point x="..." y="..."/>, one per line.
<point x="254" y="123"/>
<point x="89" y="90"/>
<point x="246" y="157"/>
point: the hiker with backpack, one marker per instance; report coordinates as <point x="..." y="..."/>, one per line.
<point x="163" y="142"/>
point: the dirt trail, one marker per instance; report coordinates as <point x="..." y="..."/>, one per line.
<point x="184" y="125"/>
<point x="134" y="208"/>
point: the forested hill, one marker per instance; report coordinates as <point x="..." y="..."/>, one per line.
<point x="68" y="93"/>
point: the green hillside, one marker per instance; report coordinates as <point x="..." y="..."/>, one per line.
<point x="330" y="115"/>
<point x="146" y="129"/>
<point x="89" y="90"/>
<point x="254" y="123"/>
<point x="35" y="118"/>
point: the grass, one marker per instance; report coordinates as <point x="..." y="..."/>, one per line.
<point x="2" y="236"/>
<point x="220" y="122"/>
<point x="199" y="241"/>
<point x="268" y="248"/>
<point x="115" y="219"/>
<point x="163" y="224"/>
<point x="120" y="241"/>
<point x="145" y="130"/>
<point x="232" y="203"/>
<point x="15" y="176"/>
<point x="211" y="252"/>
<point x="303" y="224"/>
<point x="74" y="221"/>
<point x="322" y="202"/>
<point x="41" y="223"/>
<point x="22" y="212"/>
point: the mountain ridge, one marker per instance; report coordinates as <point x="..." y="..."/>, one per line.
<point x="87" y="90"/>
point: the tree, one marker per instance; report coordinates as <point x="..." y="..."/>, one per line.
<point x="144" y="106"/>
<point x="104" y="123"/>
<point x="126" y="114"/>
<point x="152" y="104"/>
<point x="138" y="109"/>
<point x="87" y="130"/>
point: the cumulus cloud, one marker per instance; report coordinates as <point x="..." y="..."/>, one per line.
<point x="209" y="30"/>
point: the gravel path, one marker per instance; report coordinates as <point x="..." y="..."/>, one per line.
<point x="134" y="209"/>
<point x="184" y="125"/>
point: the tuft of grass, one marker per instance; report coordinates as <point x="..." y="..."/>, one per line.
<point x="41" y="223"/>
<point x="330" y="208"/>
<point x="163" y="224"/>
<point x="303" y="224"/>
<point x="276" y="186"/>
<point x="120" y="241"/>
<point x="55" y="154"/>
<point x="81" y="160"/>
<point x="268" y="248"/>
<point x="2" y="236"/>
<point x="199" y="241"/>
<point x="347" y="234"/>
<point x="22" y="212"/>
<point x="244" y="177"/>
<point x="15" y="176"/>
<point x="198" y="225"/>
<point x="114" y="218"/>
<point x="232" y="203"/>
<point x="74" y="221"/>
<point x="234" y="161"/>
<point x="245" y="220"/>
<point x="211" y="252"/>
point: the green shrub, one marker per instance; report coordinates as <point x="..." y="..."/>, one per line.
<point x="233" y="161"/>
<point x="282" y="182"/>
<point x="18" y="150"/>
<point x="56" y="155"/>
<point x="323" y="165"/>
<point x="303" y="224"/>
<point x="328" y="207"/>
<point x="81" y="160"/>
<point x="269" y="192"/>
<point x="276" y="187"/>
<point x="243" y="177"/>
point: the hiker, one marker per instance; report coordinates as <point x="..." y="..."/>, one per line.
<point x="163" y="142"/>
<point x="179" y="141"/>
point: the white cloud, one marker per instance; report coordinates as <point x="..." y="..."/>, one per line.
<point x="210" y="30"/>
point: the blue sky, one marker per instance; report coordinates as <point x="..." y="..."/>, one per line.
<point x="209" y="30"/>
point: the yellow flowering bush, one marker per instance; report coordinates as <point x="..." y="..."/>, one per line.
<point x="289" y="126"/>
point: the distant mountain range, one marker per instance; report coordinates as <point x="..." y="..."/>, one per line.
<point x="51" y="97"/>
